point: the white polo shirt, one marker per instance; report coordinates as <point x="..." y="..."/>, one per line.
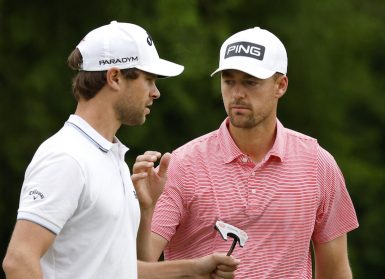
<point x="78" y="186"/>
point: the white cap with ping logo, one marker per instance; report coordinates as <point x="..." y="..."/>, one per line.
<point x="123" y="45"/>
<point x="254" y="51"/>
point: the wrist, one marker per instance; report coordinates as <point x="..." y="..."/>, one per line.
<point x="148" y="210"/>
<point x="146" y="214"/>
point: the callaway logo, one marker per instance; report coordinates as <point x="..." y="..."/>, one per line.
<point x="245" y="49"/>
<point x="36" y="194"/>
<point x="118" y="60"/>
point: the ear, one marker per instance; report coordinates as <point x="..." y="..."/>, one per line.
<point x="281" y="83"/>
<point x="113" y="76"/>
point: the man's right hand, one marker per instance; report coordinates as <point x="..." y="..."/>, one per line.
<point x="216" y="266"/>
<point x="148" y="181"/>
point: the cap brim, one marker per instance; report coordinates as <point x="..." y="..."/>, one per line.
<point x="162" y="68"/>
<point x="251" y="70"/>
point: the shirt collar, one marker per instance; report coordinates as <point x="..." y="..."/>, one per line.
<point x="278" y="149"/>
<point x="92" y="135"/>
<point x="231" y="151"/>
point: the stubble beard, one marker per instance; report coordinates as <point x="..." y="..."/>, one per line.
<point x="130" y="115"/>
<point x="245" y="121"/>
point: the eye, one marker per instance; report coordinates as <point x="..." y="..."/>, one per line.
<point x="251" y="82"/>
<point x="228" y="81"/>
<point x="151" y="79"/>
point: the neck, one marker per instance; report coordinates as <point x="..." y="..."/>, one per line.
<point x="100" y="117"/>
<point x="255" y="142"/>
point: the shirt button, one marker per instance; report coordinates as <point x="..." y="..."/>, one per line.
<point x="253" y="191"/>
<point x="244" y="159"/>
<point x="253" y="173"/>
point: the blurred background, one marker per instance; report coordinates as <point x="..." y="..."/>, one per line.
<point x="336" y="93"/>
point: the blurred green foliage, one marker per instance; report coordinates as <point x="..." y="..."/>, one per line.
<point x="336" y="91"/>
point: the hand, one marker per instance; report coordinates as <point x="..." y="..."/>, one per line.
<point x="216" y="266"/>
<point x="148" y="182"/>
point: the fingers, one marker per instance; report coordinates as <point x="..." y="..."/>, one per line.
<point x="152" y="153"/>
<point x="226" y="262"/>
<point x="226" y="266"/>
<point x="224" y="273"/>
<point x="151" y="156"/>
<point x="142" y="166"/>
<point x="147" y="161"/>
<point x="163" y="165"/>
<point x="221" y="274"/>
<point x="228" y="275"/>
<point x="216" y="266"/>
<point x="138" y="176"/>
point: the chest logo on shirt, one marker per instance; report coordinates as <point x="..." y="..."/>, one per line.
<point x="36" y="194"/>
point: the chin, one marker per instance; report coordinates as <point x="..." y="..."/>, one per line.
<point x="135" y="122"/>
<point x="242" y="123"/>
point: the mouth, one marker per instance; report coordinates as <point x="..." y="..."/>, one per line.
<point x="147" y="109"/>
<point x="239" y="109"/>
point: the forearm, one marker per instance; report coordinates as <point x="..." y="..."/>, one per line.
<point x="167" y="269"/>
<point x="22" y="273"/>
<point x="29" y="242"/>
<point x="338" y="273"/>
<point x="143" y="240"/>
<point x="17" y="268"/>
<point x="331" y="259"/>
<point x="218" y="265"/>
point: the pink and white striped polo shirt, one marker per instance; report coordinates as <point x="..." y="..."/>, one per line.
<point x="295" y="195"/>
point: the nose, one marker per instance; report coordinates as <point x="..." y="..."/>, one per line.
<point x="155" y="94"/>
<point x="237" y="92"/>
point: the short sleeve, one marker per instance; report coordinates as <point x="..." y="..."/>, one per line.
<point x="335" y="214"/>
<point x="51" y="190"/>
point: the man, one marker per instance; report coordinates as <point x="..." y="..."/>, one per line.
<point x="79" y="213"/>
<point x="279" y="186"/>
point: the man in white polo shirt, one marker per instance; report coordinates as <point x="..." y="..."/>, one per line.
<point x="279" y="186"/>
<point x="79" y="213"/>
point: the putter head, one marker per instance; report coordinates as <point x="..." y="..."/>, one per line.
<point x="225" y="230"/>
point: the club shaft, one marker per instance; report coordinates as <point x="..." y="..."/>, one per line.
<point x="232" y="247"/>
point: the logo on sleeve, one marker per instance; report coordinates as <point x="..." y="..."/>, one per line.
<point x="36" y="194"/>
<point x="135" y="194"/>
<point x="245" y="49"/>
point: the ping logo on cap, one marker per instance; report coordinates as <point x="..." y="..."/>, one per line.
<point x="245" y="49"/>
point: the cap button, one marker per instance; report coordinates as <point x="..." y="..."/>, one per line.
<point x="113" y="22"/>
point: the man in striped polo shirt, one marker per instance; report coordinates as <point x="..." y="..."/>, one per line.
<point x="279" y="186"/>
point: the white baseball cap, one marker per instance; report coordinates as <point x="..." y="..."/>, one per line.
<point x="123" y="45"/>
<point x="254" y="51"/>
